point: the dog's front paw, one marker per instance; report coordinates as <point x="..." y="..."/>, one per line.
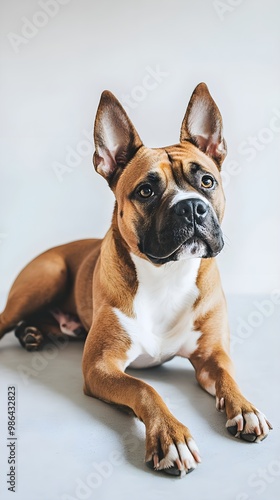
<point x="171" y="448"/>
<point x="251" y="426"/>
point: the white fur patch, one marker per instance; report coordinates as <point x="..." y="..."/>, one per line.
<point x="220" y="404"/>
<point x="170" y="459"/>
<point x="251" y="422"/>
<point x="179" y="455"/>
<point x="207" y="383"/>
<point x="163" y="312"/>
<point x="183" y="195"/>
<point x="186" y="456"/>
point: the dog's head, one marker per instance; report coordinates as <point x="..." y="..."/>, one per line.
<point x="169" y="201"/>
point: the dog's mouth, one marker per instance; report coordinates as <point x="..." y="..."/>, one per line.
<point x="193" y="247"/>
<point x="161" y="260"/>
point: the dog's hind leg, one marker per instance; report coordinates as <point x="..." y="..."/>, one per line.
<point x="38" y="285"/>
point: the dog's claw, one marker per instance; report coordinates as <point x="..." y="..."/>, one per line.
<point x="153" y="463"/>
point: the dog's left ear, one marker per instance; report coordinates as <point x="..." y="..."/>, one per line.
<point x="116" y="140"/>
<point x="203" y="126"/>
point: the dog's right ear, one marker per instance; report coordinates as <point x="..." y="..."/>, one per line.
<point x="116" y="140"/>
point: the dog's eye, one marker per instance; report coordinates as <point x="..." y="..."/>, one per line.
<point x="145" y="191"/>
<point x="207" y="181"/>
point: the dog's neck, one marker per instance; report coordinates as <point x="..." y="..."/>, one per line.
<point x="166" y="275"/>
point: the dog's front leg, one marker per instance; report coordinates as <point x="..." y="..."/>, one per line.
<point x="169" y="444"/>
<point x="215" y="373"/>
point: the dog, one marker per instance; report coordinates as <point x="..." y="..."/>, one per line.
<point x="150" y="290"/>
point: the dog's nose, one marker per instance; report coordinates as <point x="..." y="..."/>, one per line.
<point x="193" y="209"/>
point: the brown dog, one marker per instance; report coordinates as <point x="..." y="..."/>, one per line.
<point x="150" y="290"/>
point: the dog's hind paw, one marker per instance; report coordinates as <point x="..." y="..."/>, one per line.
<point x="29" y="336"/>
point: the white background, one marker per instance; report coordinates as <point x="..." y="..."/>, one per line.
<point x="50" y="88"/>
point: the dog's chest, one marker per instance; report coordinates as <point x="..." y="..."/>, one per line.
<point x="163" y="312"/>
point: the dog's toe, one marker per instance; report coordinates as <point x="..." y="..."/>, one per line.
<point x="232" y="430"/>
<point x="31" y="342"/>
<point x="250" y="438"/>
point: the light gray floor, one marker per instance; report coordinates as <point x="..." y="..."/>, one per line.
<point x="71" y="447"/>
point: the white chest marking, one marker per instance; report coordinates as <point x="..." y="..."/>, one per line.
<point x="163" y="312"/>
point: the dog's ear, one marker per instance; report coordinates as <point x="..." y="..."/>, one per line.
<point x="203" y="126"/>
<point x="116" y="140"/>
